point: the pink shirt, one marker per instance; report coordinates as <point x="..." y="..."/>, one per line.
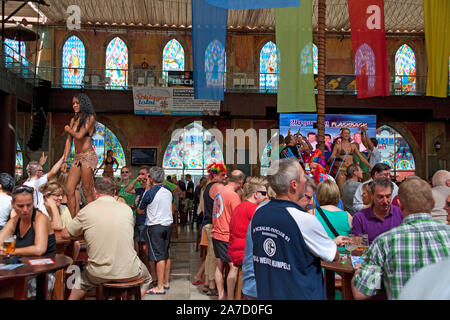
<point x="224" y="203"/>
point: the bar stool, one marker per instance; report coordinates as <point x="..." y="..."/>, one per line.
<point x="122" y="290"/>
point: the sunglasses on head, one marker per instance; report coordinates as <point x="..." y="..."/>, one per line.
<point x="264" y="193"/>
<point x="23" y="189"/>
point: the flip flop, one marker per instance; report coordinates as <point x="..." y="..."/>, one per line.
<point x="152" y="291"/>
<point x="212" y="293"/>
<point x="197" y="283"/>
<point x="167" y="288"/>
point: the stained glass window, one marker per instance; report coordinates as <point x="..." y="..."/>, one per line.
<point x="309" y="59"/>
<point x="215" y="64"/>
<point x="395" y="152"/>
<point x="405" y="68"/>
<point x="19" y="162"/>
<point x="191" y="151"/>
<point x="102" y="141"/>
<point x="73" y="62"/>
<point x="116" y="64"/>
<point x="173" y="58"/>
<point x="12" y="52"/>
<point x="365" y="64"/>
<point x="268" y="67"/>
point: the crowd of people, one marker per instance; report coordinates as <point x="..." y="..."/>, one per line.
<point x="264" y="237"/>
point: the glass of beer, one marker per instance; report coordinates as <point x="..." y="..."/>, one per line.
<point x="363" y="242"/>
<point x="10" y="245"/>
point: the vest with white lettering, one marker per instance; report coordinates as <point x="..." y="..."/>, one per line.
<point x="285" y="268"/>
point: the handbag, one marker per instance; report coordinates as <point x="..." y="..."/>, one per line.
<point x="324" y="217"/>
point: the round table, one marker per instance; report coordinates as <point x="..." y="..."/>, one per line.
<point x="346" y="271"/>
<point x="18" y="276"/>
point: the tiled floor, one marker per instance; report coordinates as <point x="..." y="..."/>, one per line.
<point x="185" y="264"/>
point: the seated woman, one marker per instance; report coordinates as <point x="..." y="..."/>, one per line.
<point x="367" y="195"/>
<point x="60" y="216"/>
<point x="34" y="235"/>
<point x="328" y="199"/>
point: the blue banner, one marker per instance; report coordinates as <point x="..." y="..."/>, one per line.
<point x="253" y="4"/>
<point x="209" y="31"/>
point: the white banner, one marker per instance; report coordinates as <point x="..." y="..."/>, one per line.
<point x="171" y="101"/>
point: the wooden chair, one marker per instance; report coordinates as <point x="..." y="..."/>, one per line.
<point x="121" y="290"/>
<point x="238" y="288"/>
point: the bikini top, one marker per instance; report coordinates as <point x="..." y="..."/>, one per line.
<point x="108" y="162"/>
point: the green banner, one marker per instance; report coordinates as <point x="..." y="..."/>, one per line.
<point x="293" y="27"/>
<point x="437" y="32"/>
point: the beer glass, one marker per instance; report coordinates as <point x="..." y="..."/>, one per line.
<point x="364" y="242"/>
<point x="10" y="245"/>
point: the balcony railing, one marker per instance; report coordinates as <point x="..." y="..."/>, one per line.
<point x="125" y="79"/>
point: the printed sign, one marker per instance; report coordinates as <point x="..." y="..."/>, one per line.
<point x="171" y="101"/>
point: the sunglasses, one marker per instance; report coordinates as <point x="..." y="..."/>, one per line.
<point x="124" y="172"/>
<point x="23" y="189"/>
<point x="264" y="193"/>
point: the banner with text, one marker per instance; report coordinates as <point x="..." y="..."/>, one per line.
<point x="171" y="101"/>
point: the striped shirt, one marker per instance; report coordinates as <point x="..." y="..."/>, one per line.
<point x="396" y="255"/>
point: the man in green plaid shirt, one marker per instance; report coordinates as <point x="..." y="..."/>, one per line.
<point x="396" y="255"/>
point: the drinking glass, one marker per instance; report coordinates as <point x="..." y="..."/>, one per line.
<point x="364" y="242"/>
<point x="10" y="245"/>
<point x="352" y="244"/>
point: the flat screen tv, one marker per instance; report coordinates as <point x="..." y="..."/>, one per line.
<point x="143" y="156"/>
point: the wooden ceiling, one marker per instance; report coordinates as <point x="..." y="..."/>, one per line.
<point x="400" y="15"/>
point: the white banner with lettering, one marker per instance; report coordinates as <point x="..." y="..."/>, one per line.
<point x="171" y="101"/>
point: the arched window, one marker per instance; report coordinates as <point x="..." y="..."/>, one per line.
<point x="268" y="67"/>
<point x="116" y="69"/>
<point x="73" y="62"/>
<point x="365" y="64"/>
<point x="173" y="58"/>
<point x="395" y="152"/>
<point x="102" y="141"/>
<point x="19" y="162"/>
<point x="215" y="64"/>
<point x="309" y="59"/>
<point x="14" y="54"/>
<point x="191" y="151"/>
<point x="405" y="68"/>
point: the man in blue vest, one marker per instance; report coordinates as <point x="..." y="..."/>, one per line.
<point x="289" y="243"/>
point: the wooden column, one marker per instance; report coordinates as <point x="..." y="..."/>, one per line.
<point x="321" y="75"/>
<point x="8" y="109"/>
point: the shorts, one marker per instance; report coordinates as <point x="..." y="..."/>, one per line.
<point x="221" y="250"/>
<point x="88" y="159"/>
<point x="88" y="281"/>
<point x="158" y="239"/>
<point x="139" y="233"/>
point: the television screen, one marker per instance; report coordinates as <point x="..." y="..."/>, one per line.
<point x="143" y="156"/>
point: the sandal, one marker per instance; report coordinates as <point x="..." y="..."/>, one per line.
<point x="212" y="293"/>
<point x="197" y="282"/>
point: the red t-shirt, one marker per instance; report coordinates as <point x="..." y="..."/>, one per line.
<point x="240" y="219"/>
<point x="224" y="203"/>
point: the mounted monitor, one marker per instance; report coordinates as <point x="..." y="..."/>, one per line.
<point x="143" y="156"/>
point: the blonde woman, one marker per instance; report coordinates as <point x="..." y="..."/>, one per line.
<point x="367" y="195"/>
<point x="328" y="199"/>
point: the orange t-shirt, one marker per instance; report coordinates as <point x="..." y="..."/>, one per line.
<point x="224" y="203"/>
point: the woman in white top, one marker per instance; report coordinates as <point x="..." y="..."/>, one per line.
<point x="6" y="187"/>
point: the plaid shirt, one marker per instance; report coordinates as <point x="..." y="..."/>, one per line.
<point x="396" y="255"/>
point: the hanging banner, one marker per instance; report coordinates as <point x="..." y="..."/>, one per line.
<point x="171" y="101"/>
<point x="253" y="4"/>
<point x="209" y="30"/>
<point x="369" y="47"/>
<point x="293" y="28"/>
<point x="437" y="31"/>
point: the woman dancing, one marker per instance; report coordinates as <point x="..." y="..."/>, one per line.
<point x="344" y="152"/>
<point x="109" y="164"/>
<point x="81" y="129"/>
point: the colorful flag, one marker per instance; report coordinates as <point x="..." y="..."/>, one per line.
<point x="293" y="27"/>
<point x="369" y="47"/>
<point x="253" y="4"/>
<point x="437" y="31"/>
<point x="209" y="30"/>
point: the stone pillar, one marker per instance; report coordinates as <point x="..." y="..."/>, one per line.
<point x="8" y="110"/>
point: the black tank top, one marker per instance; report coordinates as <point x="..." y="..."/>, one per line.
<point x="208" y="204"/>
<point x="28" y="238"/>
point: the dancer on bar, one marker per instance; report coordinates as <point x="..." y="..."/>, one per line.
<point x="109" y="164"/>
<point x="81" y="130"/>
<point x="344" y="152"/>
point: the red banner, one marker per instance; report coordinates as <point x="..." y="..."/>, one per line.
<point x="369" y="47"/>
